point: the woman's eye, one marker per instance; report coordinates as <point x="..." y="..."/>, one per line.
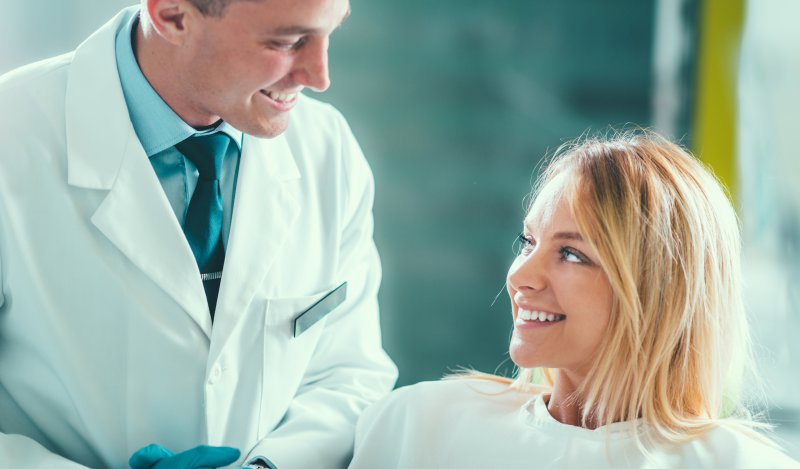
<point x="568" y="255"/>
<point x="525" y="244"/>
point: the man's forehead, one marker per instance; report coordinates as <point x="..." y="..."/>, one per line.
<point x="302" y="29"/>
<point x="290" y="17"/>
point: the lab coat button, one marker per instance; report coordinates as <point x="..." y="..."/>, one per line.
<point x="216" y="372"/>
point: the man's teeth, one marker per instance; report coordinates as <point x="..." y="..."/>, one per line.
<point x="281" y="96"/>
<point x="539" y="316"/>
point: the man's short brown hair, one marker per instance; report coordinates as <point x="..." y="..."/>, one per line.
<point x="213" y="7"/>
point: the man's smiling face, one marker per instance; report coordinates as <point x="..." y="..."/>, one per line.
<point x="247" y="66"/>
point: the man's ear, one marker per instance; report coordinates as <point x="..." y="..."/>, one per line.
<point x="170" y="18"/>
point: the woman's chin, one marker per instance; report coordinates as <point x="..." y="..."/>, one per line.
<point x="523" y="357"/>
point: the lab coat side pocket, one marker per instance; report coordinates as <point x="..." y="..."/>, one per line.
<point x="286" y="357"/>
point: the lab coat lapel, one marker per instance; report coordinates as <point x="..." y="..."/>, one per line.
<point x="266" y="209"/>
<point x="104" y="153"/>
<point x="137" y="218"/>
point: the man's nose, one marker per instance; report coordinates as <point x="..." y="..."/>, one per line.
<point x="312" y="67"/>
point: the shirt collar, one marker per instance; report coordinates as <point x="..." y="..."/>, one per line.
<point x="535" y="413"/>
<point x="155" y="123"/>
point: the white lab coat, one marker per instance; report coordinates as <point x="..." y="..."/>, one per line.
<point x="106" y="342"/>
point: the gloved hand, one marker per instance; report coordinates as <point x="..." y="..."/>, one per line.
<point x="199" y="457"/>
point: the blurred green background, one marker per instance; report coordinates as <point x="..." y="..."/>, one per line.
<point x="454" y="104"/>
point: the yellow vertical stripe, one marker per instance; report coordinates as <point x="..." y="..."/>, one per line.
<point x="714" y="139"/>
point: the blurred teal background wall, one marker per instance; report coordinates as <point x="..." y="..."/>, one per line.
<point x="454" y="103"/>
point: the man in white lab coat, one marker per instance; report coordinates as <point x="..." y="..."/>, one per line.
<point x="112" y="344"/>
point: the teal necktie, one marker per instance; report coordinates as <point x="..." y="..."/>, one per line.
<point x="203" y="225"/>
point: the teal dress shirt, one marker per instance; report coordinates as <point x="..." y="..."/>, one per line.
<point x="159" y="128"/>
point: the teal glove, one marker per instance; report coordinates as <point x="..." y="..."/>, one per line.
<point x="199" y="457"/>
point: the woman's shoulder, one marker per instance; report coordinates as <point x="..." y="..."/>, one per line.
<point x="472" y="386"/>
<point x="737" y="446"/>
<point x="468" y="393"/>
<point x="421" y="424"/>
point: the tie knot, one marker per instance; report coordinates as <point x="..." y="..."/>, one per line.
<point x="206" y="152"/>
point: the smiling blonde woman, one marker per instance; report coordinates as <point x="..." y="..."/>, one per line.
<point x="626" y="294"/>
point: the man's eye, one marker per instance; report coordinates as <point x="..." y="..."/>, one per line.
<point x="282" y="45"/>
<point x="288" y="45"/>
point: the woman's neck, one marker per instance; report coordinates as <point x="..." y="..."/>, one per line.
<point x="565" y="404"/>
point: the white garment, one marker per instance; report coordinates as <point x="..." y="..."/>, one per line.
<point x="106" y="343"/>
<point x="471" y="423"/>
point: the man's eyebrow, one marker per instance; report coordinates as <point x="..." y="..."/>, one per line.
<point x="304" y="30"/>
<point x="294" y="31"/>
<point x="571" y="235"/>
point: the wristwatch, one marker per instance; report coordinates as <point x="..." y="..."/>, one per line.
<point x="260" y="463"/>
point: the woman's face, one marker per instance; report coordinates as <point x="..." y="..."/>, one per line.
<point x="560" y="296"/>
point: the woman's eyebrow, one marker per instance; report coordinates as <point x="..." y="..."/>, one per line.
<point x="571" y="235"/>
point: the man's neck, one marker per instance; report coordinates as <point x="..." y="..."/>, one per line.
<point x="162" y="69"/>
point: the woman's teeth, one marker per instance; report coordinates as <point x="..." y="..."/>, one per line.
<point x="281" y="96"/>
<point x="526" y="315"/>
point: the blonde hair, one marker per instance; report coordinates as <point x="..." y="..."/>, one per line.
<point x="677" y="346"/>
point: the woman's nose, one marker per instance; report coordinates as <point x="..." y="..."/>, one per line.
<point x="528" y="272"/>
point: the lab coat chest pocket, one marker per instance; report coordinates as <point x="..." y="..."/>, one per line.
<point x="286" y="357"/>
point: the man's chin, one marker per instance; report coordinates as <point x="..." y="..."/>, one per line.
<point x="266" y="129"/>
